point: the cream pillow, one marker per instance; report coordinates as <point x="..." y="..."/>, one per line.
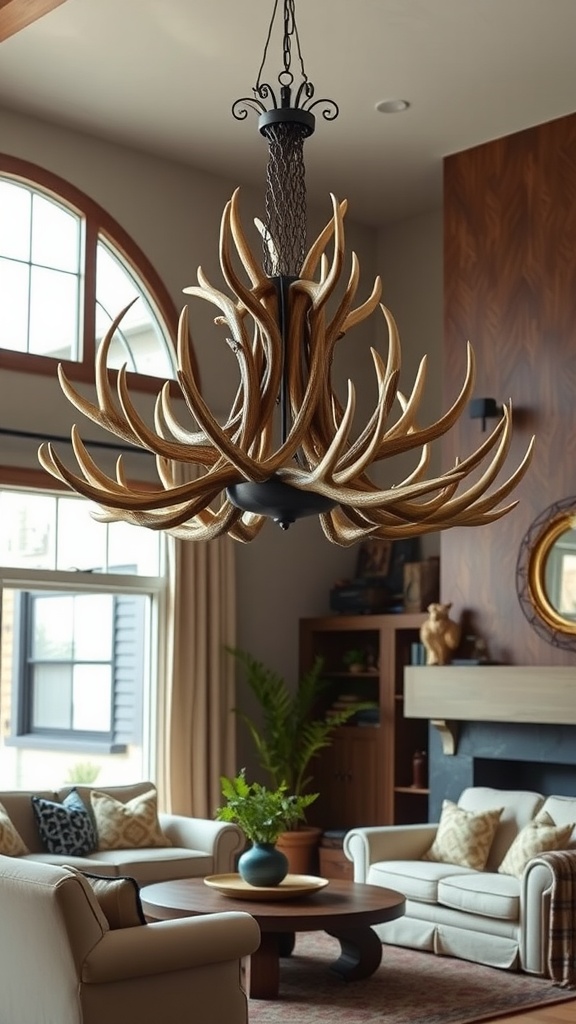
<point x="539" y="836"/>
<point x="127" y="826"/>
<point x="11" y="842"/>
<point x="464" y="837"/>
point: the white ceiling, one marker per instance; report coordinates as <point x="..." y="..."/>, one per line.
<point x="161" y="76"/>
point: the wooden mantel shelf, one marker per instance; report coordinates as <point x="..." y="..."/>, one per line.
<point x="489" y="693"/>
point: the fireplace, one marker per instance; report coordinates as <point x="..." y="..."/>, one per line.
<point x="507" y="756"/>
<point x="511" y="727"/>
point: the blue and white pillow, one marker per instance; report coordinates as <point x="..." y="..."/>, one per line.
<point x="65" y="828"/>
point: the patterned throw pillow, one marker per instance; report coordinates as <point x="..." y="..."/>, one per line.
<point x="65" y="828"/>
<point x="539" y="836"/>
<point x="118" y="898"/>
<point x="130" y="825"/>
<point x="11" y="842"/>
<point x="464" y="837"/>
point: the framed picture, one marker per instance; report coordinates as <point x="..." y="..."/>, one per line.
<point x="384" y="560"/>
<point x="374" y="557"/>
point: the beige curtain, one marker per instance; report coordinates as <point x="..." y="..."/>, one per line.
<point x="200" y="726"/>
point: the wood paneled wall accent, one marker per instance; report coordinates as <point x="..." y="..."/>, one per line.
<point x="510" y="288"/>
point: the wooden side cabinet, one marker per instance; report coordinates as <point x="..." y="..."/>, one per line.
<point x="333" y="864"/>
<point x="365" y="777"/>
<point x="346" y="778"/>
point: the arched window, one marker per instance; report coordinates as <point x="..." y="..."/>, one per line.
<point x="66" y="270"/>
<point x="82" y="603"/>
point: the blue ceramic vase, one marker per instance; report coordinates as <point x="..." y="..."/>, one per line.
<point x="263" y="865"/>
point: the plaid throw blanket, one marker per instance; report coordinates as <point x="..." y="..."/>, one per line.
<point x="562" y="938"/>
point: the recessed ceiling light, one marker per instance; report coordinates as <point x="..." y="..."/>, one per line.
<point x="392" y="106"/>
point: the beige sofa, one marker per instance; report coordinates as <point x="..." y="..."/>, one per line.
<point x="198" y="846"/>
<point x="62" y="963"/>
<point x="484" y="916"/>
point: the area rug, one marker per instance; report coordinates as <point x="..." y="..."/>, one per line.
<point x="407" y="988"/>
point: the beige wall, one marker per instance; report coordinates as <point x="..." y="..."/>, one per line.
<point x="410" y="263"/>
<point x="173" y="213"/>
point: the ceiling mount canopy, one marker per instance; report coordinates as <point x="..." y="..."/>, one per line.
<point x="289" y="447"/>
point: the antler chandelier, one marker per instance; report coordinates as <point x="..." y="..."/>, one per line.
<point x="278" y="324"/>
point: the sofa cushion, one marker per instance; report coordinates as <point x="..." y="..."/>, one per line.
<point x="145" y="865"/>
<point x="538" y="836"/>
<point x="152" y="865"/>
<point x="415" y="879"/>
<point x="86" y="863"/>
<point x="562" y="810"/>
<point x="485" y="893"/>
<point x="11" y="842"/>
<point x="119" y="898"/>
<point x="463" y="837"/>
<point x="123" y="826"/>
<point x="66" y="827"/>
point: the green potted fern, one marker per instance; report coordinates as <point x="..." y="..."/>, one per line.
<point x="290" y="735"/>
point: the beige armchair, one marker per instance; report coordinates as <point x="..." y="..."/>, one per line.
<point x="60" y="963"/>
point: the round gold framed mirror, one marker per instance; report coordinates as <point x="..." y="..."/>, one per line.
<point x="546" y="574"/>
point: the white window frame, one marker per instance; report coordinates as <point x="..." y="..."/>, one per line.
<point x="154" y="687"/>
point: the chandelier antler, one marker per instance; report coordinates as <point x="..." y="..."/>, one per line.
<point x="280" y="323"/>
<point x="317" y="458"/>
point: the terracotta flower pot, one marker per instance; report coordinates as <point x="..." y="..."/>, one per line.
<point x="300" y="847"/>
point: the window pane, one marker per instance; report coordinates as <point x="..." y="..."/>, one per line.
<point x="93" y="627"/>
<point x="119" y="353"/>
<point x="42" y="236"/>
<point x="53" y="313"/>
<point x="55" y="235"/>
<point x="133" y="550"/>
<point x="81" y="540"/>
<point x="139" y="343"/>
<point x="48" y="707"/>
<point x="52" y="637"/>
<point x="28" y="530"/>
<point x="92" y="698"/>
<point x="114" y="287"/>
<point x="56" y="532"/>
<point x="15" y="208"/>
<point x="52" y="697"/>
<point x="14" y="290"/>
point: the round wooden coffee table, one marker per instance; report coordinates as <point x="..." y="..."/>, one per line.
<point x="345" y="910"/>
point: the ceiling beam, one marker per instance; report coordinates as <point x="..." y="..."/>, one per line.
<point x="17" y="14"/>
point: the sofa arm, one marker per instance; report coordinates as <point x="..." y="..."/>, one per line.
<point x="223" y="840"/>
<point x="367" y="846"/>
<point x="535" y="888"/>
<point x="165" y="946"/>
<point x="547" y="915"/>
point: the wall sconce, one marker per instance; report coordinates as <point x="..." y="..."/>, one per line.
<point x="484" y="409"/>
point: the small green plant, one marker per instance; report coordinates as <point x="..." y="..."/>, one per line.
<point x="83" y="772"/>
<point x="262" y="814"/>
<point x="354" y="657"/>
